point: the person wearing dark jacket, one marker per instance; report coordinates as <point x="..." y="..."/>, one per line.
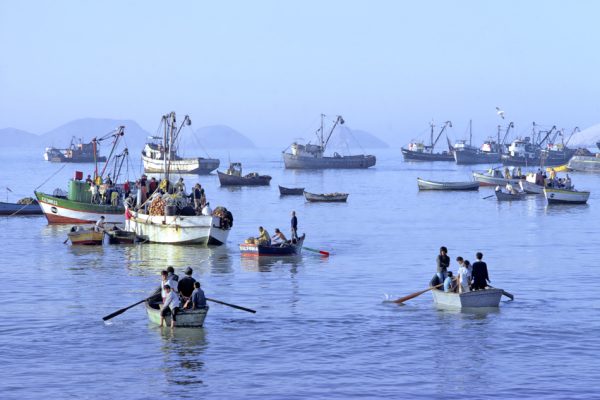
<point x="186" y="284"/>
<point x="294" y="224"/>
<point x="480" y="273"/>
<point x="443" y="262"/>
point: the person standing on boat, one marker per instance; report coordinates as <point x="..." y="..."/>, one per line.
<point x="196" y="195"/>
<point x="206" y="210"/>
<point x="180" y="187"/>
<point x="294" y="223"/>
<point x="443" y="262"/>
<point x="464" y="276"/>
<point x="152" y="186"/>
<point x="480" y="273"/>
<point x="186" y="285"/>
<point x="170" y="307"/>
<point x="89" y="180"/>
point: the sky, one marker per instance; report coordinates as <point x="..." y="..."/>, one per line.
<point x="270" y="68"/>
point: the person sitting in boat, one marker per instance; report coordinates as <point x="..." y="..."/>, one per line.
<point x="278" y="237"/>
<point x="464" y="276"/>
<point x="568" y="183"/>
<point x="449" y="283"/>
<point x="206" y="210"/>
<point x="100" y="224"/>
<point x="170" y="306"/>
<point x="263" y="238"/>
<point x="186" y="285"/>
<point x="198" y="299"/>
<point x="480" y="273"/>
<point x="510" y="189"/>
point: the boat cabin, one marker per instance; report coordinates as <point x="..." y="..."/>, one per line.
<point x="157" y="151"/>
<point x="417" y="147"/>
<point x="234" y="169"/>
<point x="522" y="148"/>
<point x="308" y="150"/>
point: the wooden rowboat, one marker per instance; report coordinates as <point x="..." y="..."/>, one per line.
<point x="80" y="236"/>
<point x="433" y="185"/>
<point x="287" y="249"/>
<point x="283" y="191"/>
<point x="185" y="318"/>
<point x="326" y="197"/>
<point x="502" y="196"/>
<point x="563" y="196"/>
<point x="488" y="298"/>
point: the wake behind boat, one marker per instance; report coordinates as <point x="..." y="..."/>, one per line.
<point x="434" y="185"/>
<point x="311" y="156"/>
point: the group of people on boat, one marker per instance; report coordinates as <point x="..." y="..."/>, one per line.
<point x="469" y="277"/>
<point x="103" y="191"/>
<point x="179" y="295"/>
<point x="278" y="239"/>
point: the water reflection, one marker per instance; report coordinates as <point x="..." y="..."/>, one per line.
<point x="266" y="264"/>
<point x="183" y="351"/>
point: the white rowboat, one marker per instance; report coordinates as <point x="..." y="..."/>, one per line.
<point x="433" y="185"/>
<point x="563" y="196"/>
<point x="488" y="298"/>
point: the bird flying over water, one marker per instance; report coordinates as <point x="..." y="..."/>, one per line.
<point x="500" y="112"/>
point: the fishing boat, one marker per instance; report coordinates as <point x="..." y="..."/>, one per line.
<point x="75" y="153"/>
<point x="290" y="248"/>
<point x="171" y="219"/>
<point x="487" y="298"/>
<point x="493" y="177"/>
<point x="490" y="151"/>
<point x="312" y="156"/>
<point x="585" y="163"/>
<point x="21" y="208"/>
<point x="326" y="197"/>
<point x="185" y="318"/>
<point x="418" y="151"/>
<point x="564" y="196"/>
<point x="81" y="236"/>
<point x="78" y="205"/>
<point x="159" y="150"/>
<point x="433" y="185"/>
<point x="503" y="196"/>
<point x="283" y="191"/>
<point x="528" y="151"/>
<point x="533" y="183"/>
<point x="233" y="177"/>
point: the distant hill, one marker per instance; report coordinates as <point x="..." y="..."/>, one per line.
<point x="354" y="138"/>
<point x="88" y="128"/>
<point x="586" y="138"/>
<point x="12" y="137"/>
<point x="220" y="137"/>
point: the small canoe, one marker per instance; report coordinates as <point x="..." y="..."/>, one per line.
<point x="488" y="298"/>
<point x="563" y="196"/>
<point x="20" y="209"/>
<point x="326" y="197"/>
<point x="285" y="249"/>
<point x="502" y="196"/>
<point x="80" y="236"/>
<point x="185" y="318"/>
<point x="283" y="191"/>
<point x="119" y="236"/>
<point x="433" y="185"/>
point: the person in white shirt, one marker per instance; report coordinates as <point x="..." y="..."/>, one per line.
<point x="100" y="224"/>
<point x="464" y="276"/>
<point x="278" y="237"/>
<point x="207" y="210"/>
<point x="170" y="307"/>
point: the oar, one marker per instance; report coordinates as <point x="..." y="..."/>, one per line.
<point x="487" y="197"/>
<point x="122" y="310"/>
<point x="412" y="296"/>
<point x="505" y="293"/>
<point x="232" y="305"/>
<point x="323" y="252"/>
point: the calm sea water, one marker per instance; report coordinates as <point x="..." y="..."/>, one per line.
<point x="321" y="330"/>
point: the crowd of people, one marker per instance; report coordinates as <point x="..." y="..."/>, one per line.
<point x="469" y="277"/>
<point x="179" y="295"/>
<point x="278" y="238"/>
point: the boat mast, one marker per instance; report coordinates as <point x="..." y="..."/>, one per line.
<point x="95" y="159"/>
<point x="570" y="136"/>
<point x="165" y="146"/>
<point x="117" y="136"/>
<point x="446" y="124"/>
<point x="431" y="135"/>
<point x="470" y="132"/>
<point x="339" y="120"/>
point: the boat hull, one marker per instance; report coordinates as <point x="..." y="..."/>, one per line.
<point x="178" y="229"/>
<point x="20" y="209"/>
<point x="292" y="161"/>
<point x="531" y="188"/>
<point x="59" y="210"/>
<point x="469" y="157"/>
<point x="291" y="191"/>
<point x="486" y="180"/>
<point x="233" y="180"/>
<point x="327" y="197"/>
<point x="250" y="249"/>
<point x="185" y="318"/>
<point x="584" y="163"/>
<point x="501" y="196"/>
<point x="562" y="196"/>
<point x="488" y="298"/>
<point x="432" y="185"/>
<point x="410" y="155"/>
<point x="86" y="237"/>
<point x="200" y="166"/>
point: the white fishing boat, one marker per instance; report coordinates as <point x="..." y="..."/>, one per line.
<point x="494" y="177"/>
<point x="161" y="149"/>
<point x="433" y="185"/>
<point x="564" y="196"/>
<point x="488" y="298"/>
<point x="533" y="183"/>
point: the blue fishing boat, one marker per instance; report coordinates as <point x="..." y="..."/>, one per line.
<point x="289" y="248"/>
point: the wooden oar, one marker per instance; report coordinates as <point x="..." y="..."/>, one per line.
<point x="323" y="252"/>
<point x="232" y="305"/>
<point x="487" y="197"/>
<point x="412" y="296"/>
<point x="122" y="310"/>
<point x="505" y="293"/>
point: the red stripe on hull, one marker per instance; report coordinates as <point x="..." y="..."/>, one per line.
<point x="58" y="219"/>
<point x="87" y="242"/>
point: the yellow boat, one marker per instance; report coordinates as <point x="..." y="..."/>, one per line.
<point x="79" y="236"/>
<point x="559" y="168"/>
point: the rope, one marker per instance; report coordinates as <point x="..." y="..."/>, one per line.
<point x="51" y="176"/>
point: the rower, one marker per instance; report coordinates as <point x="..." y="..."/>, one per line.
<point x="278" y="237"/>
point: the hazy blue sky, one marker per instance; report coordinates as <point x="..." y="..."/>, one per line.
<point x="269" y="68"/>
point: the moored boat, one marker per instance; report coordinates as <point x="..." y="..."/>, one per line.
<point x="76" y="152"/>
<point x="233" y="177"/>
<point x="290" y="248"/>
<point x="119" y="236"/>
<point x="283" y="191"/>
<point x="494" y="177"/>
<point x="583" y="163"/>
<point x="312" y="156"/>
<point x="487" y="298"/>
<point x="20" y="208"/>
<point x="326" y="197"/>
<point x="81" y="236"/>
<point x="564" y="196"/>
<point x="418" y="151"/>
<point x="503" y="196"/>
<point x="433" y="185"/>
<point x="185" y="318"/>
